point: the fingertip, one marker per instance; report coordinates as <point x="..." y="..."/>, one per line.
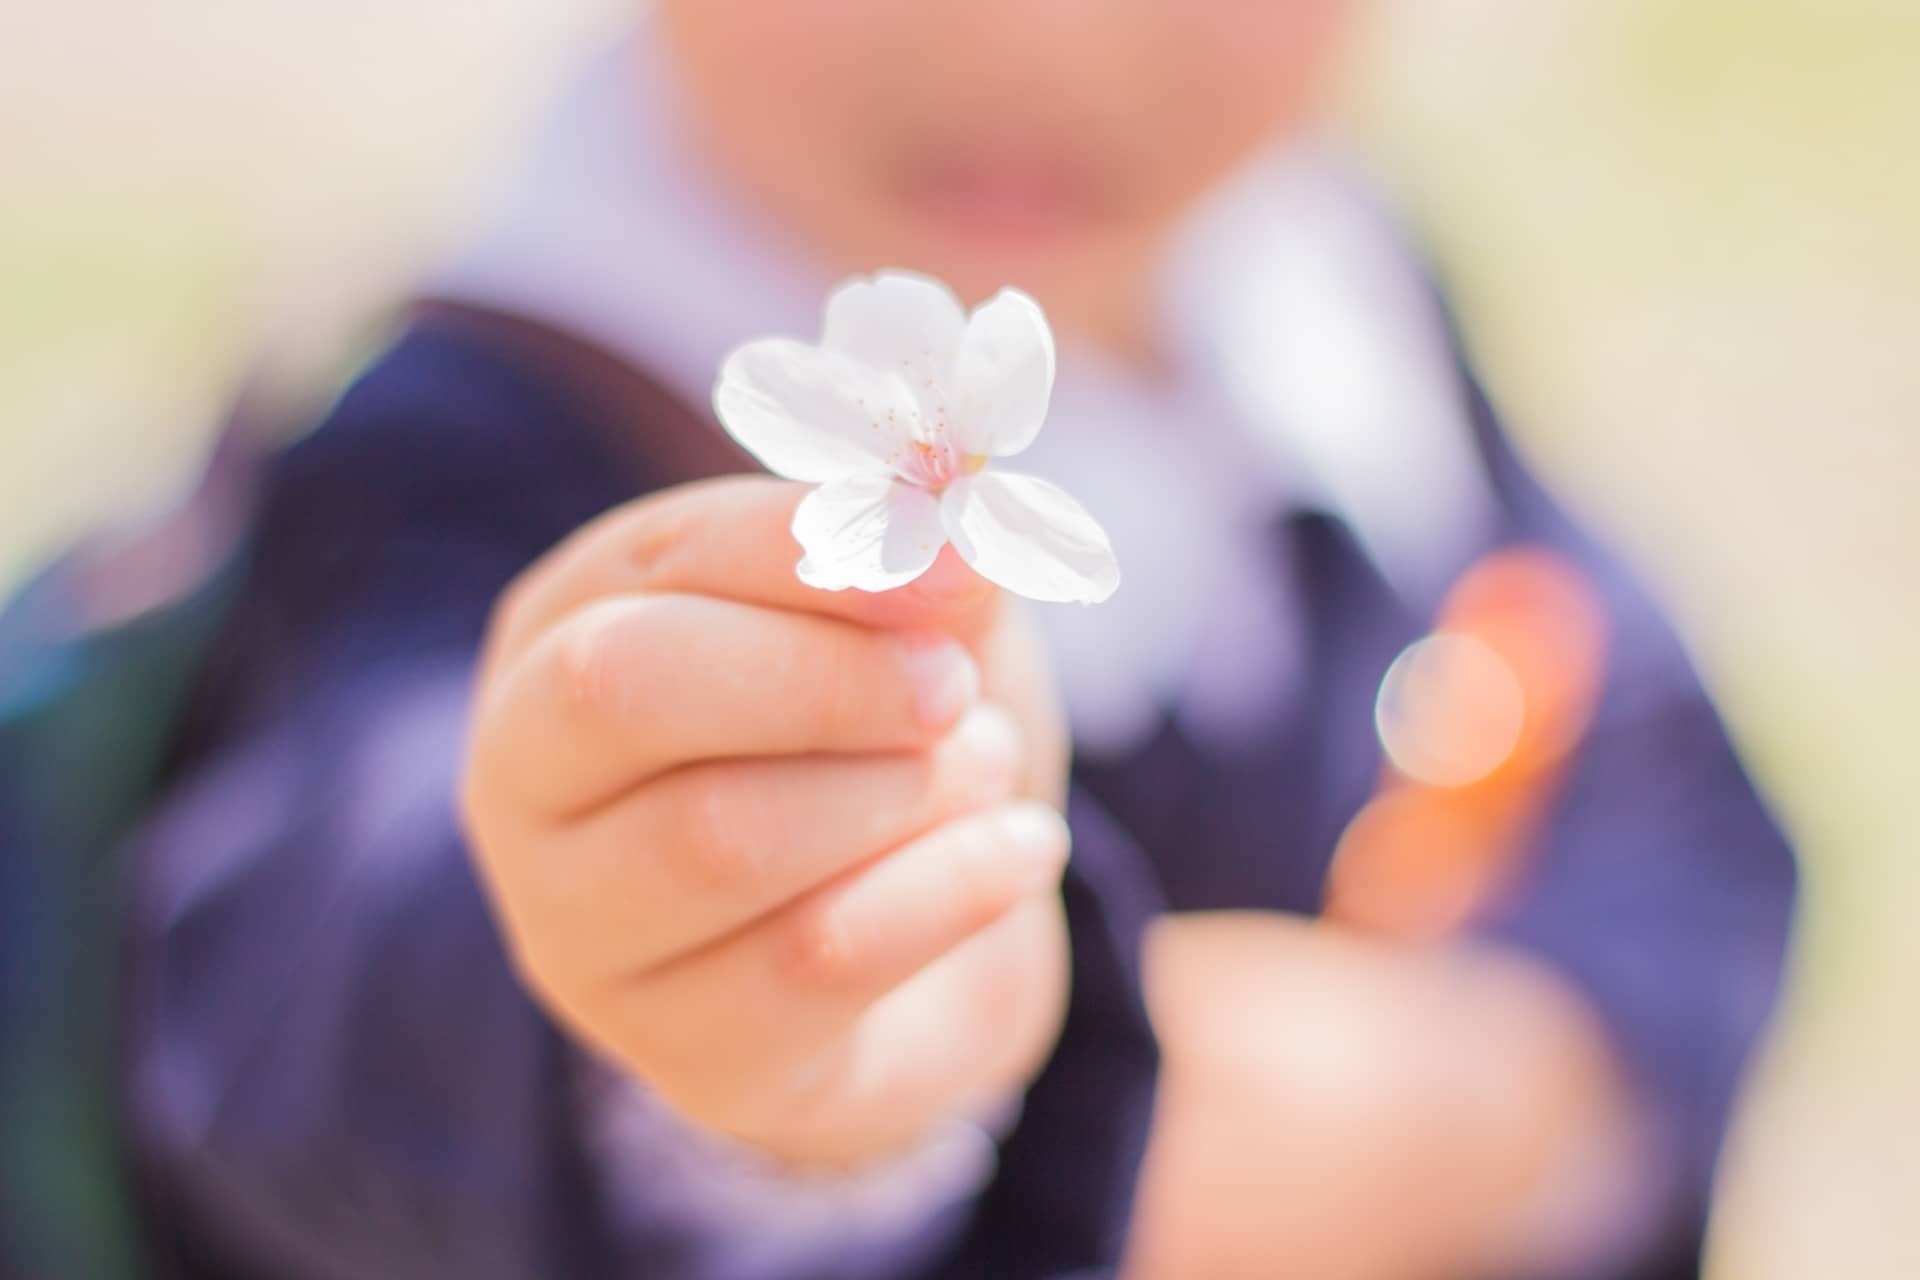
<point x="1040" y="840"/>
<point x="988" y="742"/>
<point x="944" y="678"/>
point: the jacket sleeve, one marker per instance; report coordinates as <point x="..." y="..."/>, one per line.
<point x="329" y="1069"/>
<point x="1663" y="889"/>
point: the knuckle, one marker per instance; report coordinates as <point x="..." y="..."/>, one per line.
<point x="819" y="953"/>
<point x="658" y="539"/>
<point x="588" y="664"/>
<point x="718" y="838"/>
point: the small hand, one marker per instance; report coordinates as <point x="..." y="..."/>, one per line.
<point x="1349" y="1109"/>
<point x="789" y="856"/>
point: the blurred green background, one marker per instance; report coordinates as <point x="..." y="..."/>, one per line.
<point x="1685" y="235"/>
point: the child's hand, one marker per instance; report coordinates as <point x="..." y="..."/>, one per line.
<point x="789" y="856"/>
<point x="1317" y="1083"/>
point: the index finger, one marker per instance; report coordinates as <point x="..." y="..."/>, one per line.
<point x="729" y="538"/>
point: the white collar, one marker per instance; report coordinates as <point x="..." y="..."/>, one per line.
<point x="1323" y="330"/>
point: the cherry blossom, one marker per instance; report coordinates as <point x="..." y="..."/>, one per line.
<point x="895" y="415"/>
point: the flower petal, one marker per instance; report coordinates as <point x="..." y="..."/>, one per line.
<point x="1031" y="537"/>
<point x="899" y="322"/>
<point x="869" y="531"/>
<point x="1002" y="376"/>
<point x="810" y="414"/>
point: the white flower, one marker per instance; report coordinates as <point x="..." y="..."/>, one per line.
<point x="895" y="415"/>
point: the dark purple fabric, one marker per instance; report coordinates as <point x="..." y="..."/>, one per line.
<point x="1664" y="889"/>
<point x="333" y="1072"/>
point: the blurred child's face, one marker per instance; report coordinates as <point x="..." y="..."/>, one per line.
<point x="1045" y="143"/>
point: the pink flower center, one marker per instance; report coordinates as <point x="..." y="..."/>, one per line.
<point x="933" y="464"/>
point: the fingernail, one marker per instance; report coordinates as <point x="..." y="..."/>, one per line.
<point x="992" y="743"/>
<point x="945" y="680"/>
<point x="1038" y="835"/>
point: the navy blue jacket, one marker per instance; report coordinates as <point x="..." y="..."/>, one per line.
<point x="332" y="1071"/>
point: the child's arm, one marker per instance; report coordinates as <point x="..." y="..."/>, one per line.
<point x="1558" y="1082"/>
<point x="1546" y="1099"/>
<point x="1350" y="1108"/>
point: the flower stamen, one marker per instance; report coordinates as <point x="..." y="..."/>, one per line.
<point x="930" y="464"/>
